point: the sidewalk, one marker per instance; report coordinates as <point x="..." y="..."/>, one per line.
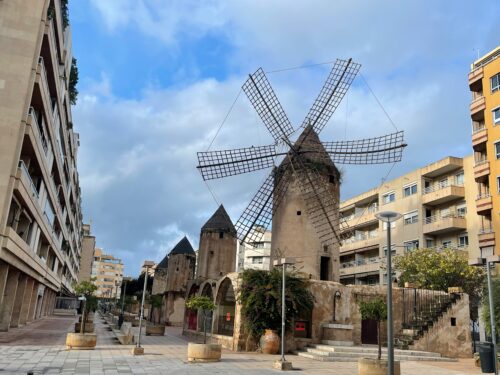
<point x="163" y="355"/>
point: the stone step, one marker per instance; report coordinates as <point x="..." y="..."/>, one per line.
<point x="344" y="358"/>
<point x="364" y="349"/>
<point x="337" y="343"/>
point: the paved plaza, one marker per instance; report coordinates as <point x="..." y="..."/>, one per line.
<point x="39" y="347"/>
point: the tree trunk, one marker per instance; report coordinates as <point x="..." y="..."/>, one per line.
<point x="379" y="341"/>
<point x="204" y="327"/>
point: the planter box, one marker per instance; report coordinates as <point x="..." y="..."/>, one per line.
<point x="81" y="341"/>
<point x="370" y="366"/>
<point x="135" y="323"/>
<point x="129" y="318"/>
<point x="204" y="352"/>
<point x="89" y="327"/>
<point x="155" y="330"/>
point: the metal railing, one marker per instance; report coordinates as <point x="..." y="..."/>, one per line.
<point x="367" y="210"/>
<point x="358" y="238"/>
<point x="481" y="161"/>
<point x="478" y="128"/>
<point x="360" y="262"/>
<point x="24" y="170"/>
<point x="440" y="186"/>
<point x="486" y="231"/>
<point x="483" y="196"/>
<point x="434" y="218"/>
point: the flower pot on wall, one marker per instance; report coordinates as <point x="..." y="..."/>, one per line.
<point x="270" y="342"/>
<point x="204" y="352"/>
<point x="371" y="366"/>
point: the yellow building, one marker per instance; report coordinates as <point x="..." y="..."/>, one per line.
<point x="108" y="273"/>
<point x="484" y="83"/>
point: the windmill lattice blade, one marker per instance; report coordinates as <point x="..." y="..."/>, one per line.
<point x="266" y="103"/>
<point x="321" y="205"/>
<point x="379" y="150"/>
<point x="260" y="210"/>
<point x="219" y="164"/>
<point x="338" y="82"/>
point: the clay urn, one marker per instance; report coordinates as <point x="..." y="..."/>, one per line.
<point x="270" y="342"/>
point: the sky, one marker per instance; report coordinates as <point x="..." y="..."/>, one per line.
<point x="157" y="78"/>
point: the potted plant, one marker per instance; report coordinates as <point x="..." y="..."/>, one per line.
<point x="155" y="328"/>
<point x="375" y="309"/>
<point x="260" y="298"/>
<point x="83" y="338"/>
<point x="203" y="352"/>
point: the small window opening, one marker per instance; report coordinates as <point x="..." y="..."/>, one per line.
<point x="331" y="179"/>
<point x="325" y="248"/>
<point x="299" y="213"/>
<point x="177" y="269"/>
<point x="453" y="322"/>
<point x="221" y="234"/>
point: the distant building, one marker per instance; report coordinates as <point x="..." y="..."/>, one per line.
<point x="257" y="256"/>
<point x="108" y="272"/>
<point x="151" y="270"/>
<point x="484" y="84"/>
<point x="88" y="248"/>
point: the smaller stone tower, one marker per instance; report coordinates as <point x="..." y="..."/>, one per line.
<point x="181" y="265"/>
<point x="160" y="279"/>
<point x="217" y="253"/>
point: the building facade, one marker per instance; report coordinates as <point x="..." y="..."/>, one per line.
<point x="439" y="208"/>
<point x="484" y="84"/>
<point x="40" y="202"/>
<point x="108" y="273"/>
<point x="88" y="249"/>
<point x="258" y="255"/>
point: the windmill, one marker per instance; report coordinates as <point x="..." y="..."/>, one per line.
<point x="303" y="161"/>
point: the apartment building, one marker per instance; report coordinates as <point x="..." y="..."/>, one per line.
<point x="88" y="249"/>
<point x="484" y="84"/>
<point x="258" y="256"/>
<point x="438" y="204"/>
<point x="108" y="273"/>
<point x="40" y="203"/>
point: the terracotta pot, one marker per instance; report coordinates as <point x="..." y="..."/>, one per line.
<point x="371" y="366"/>
<point x="155" y="330"/>
<point x="270" y="342"/>
<point x="204" y="352"/>
<point x="81" y="341"/>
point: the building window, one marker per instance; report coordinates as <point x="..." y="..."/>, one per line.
<point x="429" y="242"/>
<point x="410" y="217"/>
<point x="221" y="234"/>
<point x="498" y="184"/>
<point x="384" y="225"/>
<point x="393" y="250"/>
<point x="459" y="178"/>
<point x="389" y="197"/>
<point x="463" y="240"/>
<point x="446" y="244"/>
<point x="257" y="260"/>
<point x="410" y="190"/>
<point x="497" y="149"/>
<point x="410" y="245"/>
<point x="443" y="183"/>
<point x="461" y="210"/>
<point x="496" y="115"/>
<point x="495" y="82"/>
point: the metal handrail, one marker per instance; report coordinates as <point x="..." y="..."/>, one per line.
<point x="360" y="262"/>
<point x="25" y="171"/>
<point x="434" y="218"/>
<point x="438" y="186"/>
<point x="483" y="196"/>
<point x="480" y="162"/>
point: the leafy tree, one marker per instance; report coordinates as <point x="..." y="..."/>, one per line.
<point x="260" y="297"/>
<point x="86" y="289"/>
<point x="375" y="309"/>
<point x="485" y="311"/>
<point x="73" y="81"/>
<point x="203" y="304"/>
<point x="156" y="302"/>
<point x="434" y="270"/>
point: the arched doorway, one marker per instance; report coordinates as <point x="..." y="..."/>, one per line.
<point x="206" y="292"/>
<point x="191" y="316"/>
<point x="226" y="307"/>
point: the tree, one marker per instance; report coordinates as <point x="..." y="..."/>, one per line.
<point x="73" y="81"/>
<point x="260" y="297"/>
<point x="485" y="311"/>
<point x="156" y="302"/>
<point x="375" y="309"/>
<point x="205" y="305"/>
<point x="86" y="289"/>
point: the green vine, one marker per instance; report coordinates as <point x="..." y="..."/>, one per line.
<point x="73" y="80"/>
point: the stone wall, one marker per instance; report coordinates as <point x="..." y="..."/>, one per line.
<point x="216" y="256"/>
<point x="180" y="270"/>
<point x="159" y="281"/>
<point x="448" y="339"/>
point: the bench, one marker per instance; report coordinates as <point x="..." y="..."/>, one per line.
<point x="125" y="334"/>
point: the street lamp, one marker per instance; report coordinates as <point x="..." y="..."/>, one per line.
<point x="489" y="262"/>
<point x="138" y="349"/>
<point x="282" y="364"/>
<point x="124" y="281"/>
<point x="389" y="217"/>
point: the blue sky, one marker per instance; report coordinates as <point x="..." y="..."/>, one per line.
<point x="157" y="78"/>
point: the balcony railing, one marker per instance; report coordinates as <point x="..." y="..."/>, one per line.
<point x="434" y="218"/>
<point x="26" y="173"/>
<point x="478" y="128"/>
<point x="481" y="161"/>
<point x="359" y="238"/>
<point x="453" y="245"/>
<point x="360" y="262"/>
<point x="361" y="213"/>
<point x="38" y="134"/>
<point x="440" y="186"/>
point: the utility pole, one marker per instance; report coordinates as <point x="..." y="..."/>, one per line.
<point x="138" y="350"/>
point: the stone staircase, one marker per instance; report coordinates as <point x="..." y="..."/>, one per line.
<point x="419" y="322"/>
<point x="347" y="352"/>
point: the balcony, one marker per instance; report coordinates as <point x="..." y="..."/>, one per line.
<point x="360" y="266"/>
<point x="475" y="77"/>
<point x="477" y="106"/>
<point x="39" y="140"/>
<point x="484" y="204"/>
<point x="439" y="225"/>
<point x="440" y="193"/>
<point x="442" y="166"/>
<point x="486" y="237"/>
<point x="360" y="242"/>
<point x="361" y="218"/>
<point x="481" y="169"/>
<point x="479" y="138"/>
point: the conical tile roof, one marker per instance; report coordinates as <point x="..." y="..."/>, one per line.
<point x="219" y="222"/>
<point x="183" y="247"/>
<point x="163" y="264"/>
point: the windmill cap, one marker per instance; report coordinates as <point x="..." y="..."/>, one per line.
<point x="183" y="247"/>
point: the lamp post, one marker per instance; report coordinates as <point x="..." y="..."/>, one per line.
<point x="282" y="364"/>
<point x="138" y="350"/>
<point x="489" y="262"/>
<point x="389" y="217"/>
<point x="124" y="281"/>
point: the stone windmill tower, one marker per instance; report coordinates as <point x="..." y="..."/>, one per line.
<point x="217" y="252"/>
<point x="301" y="195"/>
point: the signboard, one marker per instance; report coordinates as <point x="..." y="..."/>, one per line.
<point x="228" y="317"/>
